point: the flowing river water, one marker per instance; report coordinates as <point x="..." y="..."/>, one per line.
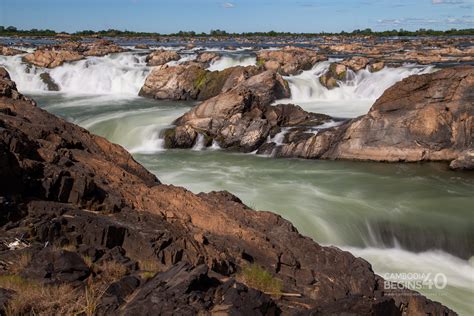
<point x="415" y="219"/>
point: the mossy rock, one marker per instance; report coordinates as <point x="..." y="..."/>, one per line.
<point x="169" y="136"/>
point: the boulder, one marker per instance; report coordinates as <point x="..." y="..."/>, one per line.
<point x="336" y="72"/>
<point x="142" y="46"/>
<point x="161" y="57"/>
<point x="426" y="117"/>
<point x="101" y="48"/>
<point x="356" y="63"/>
<point x="51" y="58"/>
<point x="10" y="51"/>
<point x="289" y="60"/>
<point x="50" y="84"/>
<point x="207" y="58"/>
<point x="192" y="82"/>
<point x="242" y="118"/>
<point x="377" y="66"/>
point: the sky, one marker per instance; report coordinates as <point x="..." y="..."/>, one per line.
<point x="169" y="16"/>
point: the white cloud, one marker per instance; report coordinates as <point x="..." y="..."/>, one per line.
<point x="228" y="5"/>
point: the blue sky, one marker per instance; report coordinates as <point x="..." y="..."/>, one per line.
<point x="167" y="16"/>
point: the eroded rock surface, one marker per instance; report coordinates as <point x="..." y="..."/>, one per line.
<point x="161" y="57"/>
<point x="422" y="118"/>
<point x="192" y="82"/>
<point x="288" y="61"/>
<point x="63" y="187"/>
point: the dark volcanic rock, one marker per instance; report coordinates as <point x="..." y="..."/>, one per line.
<point x="63" y="186"/>
<point x="163" y="295"/>
<point x="422" y="118"/>
<point x="56" y="266"/>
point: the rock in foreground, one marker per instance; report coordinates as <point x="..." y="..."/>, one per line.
<point x="116" y="236"/>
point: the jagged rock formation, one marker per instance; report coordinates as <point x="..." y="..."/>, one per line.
<point x="63" y="188"/>
<point x="422" y="118"/>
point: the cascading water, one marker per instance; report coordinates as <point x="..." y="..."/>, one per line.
<point x="232" y="61"/>
<point x="353" y="97"/>
<point x="118" y="74"/>
<point x="332" y="202"/>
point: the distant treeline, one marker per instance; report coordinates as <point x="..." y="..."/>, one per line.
<point x="12" y="31"/>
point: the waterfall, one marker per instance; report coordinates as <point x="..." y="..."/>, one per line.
<point x="119" y="74"/>
<point x="232" y="61"/>
<point x="353" y="97"/>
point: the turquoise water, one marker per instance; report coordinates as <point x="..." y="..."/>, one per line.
<point x="400" y="217"/>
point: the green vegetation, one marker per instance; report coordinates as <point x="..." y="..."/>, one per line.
<point x="13" y="31"/>
<point x="256" y="277"/>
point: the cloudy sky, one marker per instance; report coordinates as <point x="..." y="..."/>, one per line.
<point x="167" y="16"/>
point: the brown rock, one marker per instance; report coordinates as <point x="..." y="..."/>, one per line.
<point x="192" y="82"/>
<point x="288" y="61"/>
<point x="51" y="58"/>
<point x="422" y="118"/>
<point x="356" y="63"/>
<point x="65" y="186"/>
<point x="9" y="51"/>
<point x="161" y="57"/>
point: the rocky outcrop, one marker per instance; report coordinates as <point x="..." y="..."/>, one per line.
<point x="206" y="59"/>
<point x="289" y="60"/>
<point x="51" y="58"/>
<point x="192" y="82"/>
<point x="161" y="57"/>
<point x="241" y="118"/>
<point x="56" y="55"/>
<point x="156" y="245"/>
<point x="335" y="73"/>
<point x="422" y="118"/>
<point x="9" y="51"/>
<point x="356" y="63"/>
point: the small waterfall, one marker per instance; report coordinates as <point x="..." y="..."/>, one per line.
<point x="232" y="61"/>
<point x="353" y="97"/>
<point x="120" y="74"/>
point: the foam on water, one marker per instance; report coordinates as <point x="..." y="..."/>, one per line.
<point x="353" y="97"/>
<point x="459" y="274"/>
<point x="231" y="61"/>
<point x="117" y="74"/>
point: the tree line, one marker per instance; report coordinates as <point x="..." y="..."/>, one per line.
<point x="13" y="31"/>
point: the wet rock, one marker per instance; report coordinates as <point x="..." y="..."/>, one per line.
<point x="243" y="118"/>
<point x="206" y="59"/>
<point x="50" y="84"/>
<point x="376" y="66"/>
<point x="422" y="118"/>
<point x="465" y="161"/>
<point x="161" y="57"/>
<point x="335" y="73"/>
<point x="288" y="61"/>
